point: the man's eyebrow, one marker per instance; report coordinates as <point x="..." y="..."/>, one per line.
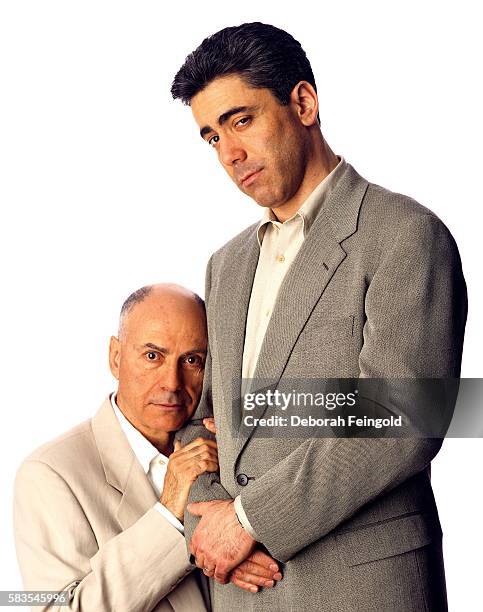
<point x="195" y="350"/>
<point x="155" y="347"/>
<point x="205" y="130"/>
<point x="223" y="118"/>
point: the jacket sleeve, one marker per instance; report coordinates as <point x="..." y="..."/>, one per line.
<point x="206" y="487"/>
<point x="57" y="549"/>
<point x="415" y="311"/>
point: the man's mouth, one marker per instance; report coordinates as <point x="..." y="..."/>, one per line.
<point x="250" y="178"/>
<point x="166" y="406"/>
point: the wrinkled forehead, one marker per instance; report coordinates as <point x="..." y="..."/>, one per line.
<point x="180" y="322"/>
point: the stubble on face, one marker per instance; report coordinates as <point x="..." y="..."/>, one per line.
<point x="272" y="144"/>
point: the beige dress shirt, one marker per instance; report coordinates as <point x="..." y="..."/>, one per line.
<point x="279" y="246"/>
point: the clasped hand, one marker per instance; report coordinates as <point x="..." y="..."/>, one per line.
<point x="226" y="552"/>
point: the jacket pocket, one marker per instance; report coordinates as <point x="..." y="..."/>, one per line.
<point x="319" y="326"/>
<point x="385" y="539"/>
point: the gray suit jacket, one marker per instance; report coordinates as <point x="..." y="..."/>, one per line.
<point x="376" y="290"/>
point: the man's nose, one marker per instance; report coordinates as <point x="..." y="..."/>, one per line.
<point x="231" y="150"/>
<point x="170" y="376"/>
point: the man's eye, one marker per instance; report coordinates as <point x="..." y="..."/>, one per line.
<point x="243" y="121"/>
<point x="152" y="356"/>
<point x="194" y="360"/>
<point x="213" y="140"/>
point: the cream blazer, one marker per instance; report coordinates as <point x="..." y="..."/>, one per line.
<point x="84" y="522"/>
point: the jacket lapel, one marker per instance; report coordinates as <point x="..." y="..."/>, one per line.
<point x="121" y="468"/>
<point x="231" y="310"/>
<point x="315" y="265"/>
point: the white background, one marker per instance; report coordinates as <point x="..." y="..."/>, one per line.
<point x="106" y="186"/>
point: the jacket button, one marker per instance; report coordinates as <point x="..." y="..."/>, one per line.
<point x="242" y="480"/>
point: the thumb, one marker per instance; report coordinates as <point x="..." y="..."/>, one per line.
<point x="177" y="445"/>
<point x="198" y="508"/>
<point x="209" y="423"/>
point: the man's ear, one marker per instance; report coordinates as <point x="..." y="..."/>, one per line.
<point x="306" y="102"/>
<point x="114" y="356"/>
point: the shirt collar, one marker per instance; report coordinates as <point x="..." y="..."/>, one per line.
<point x="310" y="208"/>
<point x="143" y="449"/>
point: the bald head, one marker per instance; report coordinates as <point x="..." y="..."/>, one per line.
<point x="159" y="357"/>
<point x="168" y="293"/>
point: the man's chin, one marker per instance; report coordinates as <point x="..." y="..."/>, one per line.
<point x="262" y="198"/>
<point x="170" y="423"/>
<point x="165" y="416"/>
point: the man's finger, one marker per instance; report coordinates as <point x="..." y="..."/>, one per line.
<point x="200" y="560"/>
<point x="253" y="569"/>
<point x="198" y="508"/>
<point x="177" y="445"/>
<point x="199" y="442"/>
<point x="206" y="466"/>
<point x="221" y="572"/>
<point x="258" y="556"/>
<point x="193" y="545"/>
<point x="244" y="585"/>
<point x="254" y="577"/>
<point x="186" y="458"/>
<point x="209" y="423"/>
<point x="202" y="453"/>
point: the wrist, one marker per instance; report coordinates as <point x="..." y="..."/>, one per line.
<point x="174" y="505"/>
<point x="239" y="525"/>
<point x="243" y="519"/>
<point x="238" y="519"/>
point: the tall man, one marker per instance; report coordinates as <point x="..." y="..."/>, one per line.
<point x="341" y="278"/>
<point x="98" y="510"/>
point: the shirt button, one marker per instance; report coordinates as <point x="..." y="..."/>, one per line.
<point x="242" y="480"/>
<point x="280" y="259"/>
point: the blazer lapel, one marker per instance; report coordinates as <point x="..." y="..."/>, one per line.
<point x="316" y="263"/>
<point x="138" y="496"/>
<point x="313" y="268"/>
<point x="121" y="468"/>
<point x="231" y="310"/>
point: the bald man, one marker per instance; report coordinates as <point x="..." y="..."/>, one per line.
<point x="98" y="511"/>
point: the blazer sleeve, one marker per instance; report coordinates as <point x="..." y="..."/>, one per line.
<point x="57" y="549"/>
<point x="207" y="487"/>
<point x="415" y="311"/>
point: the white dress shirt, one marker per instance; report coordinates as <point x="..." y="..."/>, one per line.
<point x="152" y="461"/>
<point x="279" y="246"/>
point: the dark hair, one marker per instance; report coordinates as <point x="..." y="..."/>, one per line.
<point x="135" y="298"/>
<point x="265" y="56"/>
